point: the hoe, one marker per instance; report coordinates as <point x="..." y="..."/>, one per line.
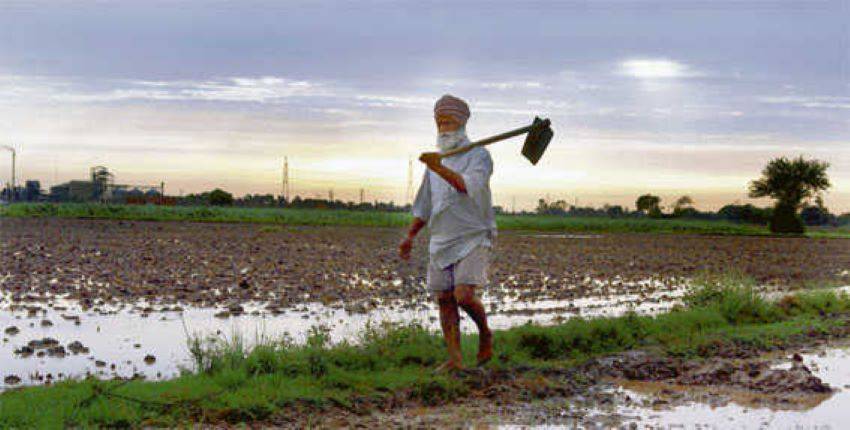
<point x="539" y="135"/>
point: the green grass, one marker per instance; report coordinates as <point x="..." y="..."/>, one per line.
<point x="234" y="383"/>
<point x="318" y="217"/>
<point x="828" y="232"/>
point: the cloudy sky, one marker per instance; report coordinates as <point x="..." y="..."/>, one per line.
<point x="671" y="97"/>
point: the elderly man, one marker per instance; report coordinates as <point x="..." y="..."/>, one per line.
<point x="454" y="201"/>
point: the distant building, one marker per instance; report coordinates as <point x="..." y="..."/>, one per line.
<point x="32" y="191"/>
<point x="102" y="188"/>
<point x="73" y="191"/>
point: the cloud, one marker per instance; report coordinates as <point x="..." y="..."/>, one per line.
<point x="811" y="102"/>
<point x="264" y="89"/>
<point x="373" y="100"/>
<point x="512" y="85"/>
<point x="655" y="69"/>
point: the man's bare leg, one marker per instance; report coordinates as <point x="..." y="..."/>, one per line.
<point x="450" y="322"/>
<point x="466" y="299"/>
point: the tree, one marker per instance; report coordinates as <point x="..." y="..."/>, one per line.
<point x="649" y="204"/>
<point x="683" y="202"/>
<point x="558" y="207"/>
<point x="219" y="197"/>
<point x="684" y="207"/>
<point x="791" y="183"/>
<point x="615" y="211"/>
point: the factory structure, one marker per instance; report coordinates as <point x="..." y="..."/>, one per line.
<point x="101" y="187"/>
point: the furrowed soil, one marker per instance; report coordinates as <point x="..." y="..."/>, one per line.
<point x="172" y="269"/>
<point x="215" y="264"/>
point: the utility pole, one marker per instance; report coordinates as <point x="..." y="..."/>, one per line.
<point x="362" y="195"/>
<point x="513" y="204"/>
<point x="12" y="194"/>
<point x="331" y="195"/>
<point x="284" y="186"/>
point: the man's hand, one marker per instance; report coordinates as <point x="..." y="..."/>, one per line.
<point x="404" y="248"/>
<point x="431" y="159"/>
<point x="407" y="243"/>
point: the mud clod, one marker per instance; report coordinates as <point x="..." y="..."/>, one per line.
<point x="77" y="347"/>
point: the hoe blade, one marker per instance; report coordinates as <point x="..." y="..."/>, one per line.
<point x="537" y="140"/>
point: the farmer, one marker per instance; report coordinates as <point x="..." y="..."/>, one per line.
<point x="454" y="201"/>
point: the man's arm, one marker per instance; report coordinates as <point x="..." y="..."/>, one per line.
<point x="407" y="243"/>
<point x="432" y="160"/>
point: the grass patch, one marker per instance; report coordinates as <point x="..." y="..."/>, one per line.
<point x="318" y="217"/>
<point x="234" y="383"/>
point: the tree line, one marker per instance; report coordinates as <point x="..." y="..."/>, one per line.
<point x="797" y="186"/>
<point x="219" y="197"/>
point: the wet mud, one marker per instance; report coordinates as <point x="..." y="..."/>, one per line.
<point x="799" y="385"/>
<point x="77" y="296"/>
<point x="230" y="264"/>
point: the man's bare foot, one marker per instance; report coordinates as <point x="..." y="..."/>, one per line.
<point x="485" y="347"/>
<point x="449" y="366"/>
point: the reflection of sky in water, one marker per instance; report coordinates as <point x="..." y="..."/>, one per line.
<point x="111" y="336"/>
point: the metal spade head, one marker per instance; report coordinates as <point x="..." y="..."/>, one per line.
<point x="537" y="140"/>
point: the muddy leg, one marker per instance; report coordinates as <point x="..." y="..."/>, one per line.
<point x="450" y="322"/>
<point x="466" y="299"/>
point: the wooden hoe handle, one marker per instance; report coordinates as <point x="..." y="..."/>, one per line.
<point x="487" y="141"/>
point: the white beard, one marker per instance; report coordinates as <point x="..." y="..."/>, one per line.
<point x="452" y="139"/>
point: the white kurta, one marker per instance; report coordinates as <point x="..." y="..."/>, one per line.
<point x="458" y="222"/>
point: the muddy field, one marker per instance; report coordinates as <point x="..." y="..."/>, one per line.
<point x="117" y="299"/>
<point x="233" y="264"/>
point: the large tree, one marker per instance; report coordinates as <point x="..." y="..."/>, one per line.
<point x="791" y="182"/>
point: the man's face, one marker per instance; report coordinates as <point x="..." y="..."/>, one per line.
<point x="447" y="123"/>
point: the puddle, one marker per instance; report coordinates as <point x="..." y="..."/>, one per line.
<point x="741" y="410"/>
<point x="119" y="337"/>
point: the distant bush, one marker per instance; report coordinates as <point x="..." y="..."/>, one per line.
<point x="219" y="197"/>
<point x="746" y="213"/>
<point x="817" y="215"/>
